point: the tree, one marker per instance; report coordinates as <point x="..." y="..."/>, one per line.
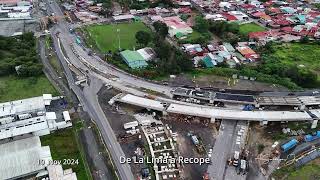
<point x="201" y="24"/>
<point x="304" y="39"/>
<point x="143" y="37"/>
<point x="161" y="28"/>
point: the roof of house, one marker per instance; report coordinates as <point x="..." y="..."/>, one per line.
<point x="131" y="55"/>
<point x="229" y="47"/>
<point x="245" y="50"/>
<point x="229" y="17"/>
<point x="208" y="62"/>
<point x="175" y="22"/>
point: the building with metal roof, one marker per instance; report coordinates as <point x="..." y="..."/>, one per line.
<point x="30" y="116"/>
<point x="23" y="157"/>
<point x="208" y="62"/>
<point x="147" y="53"/>
<point x="133" y="59"/>
<point x="57" y="173"/>
<point x="123" y="17"/>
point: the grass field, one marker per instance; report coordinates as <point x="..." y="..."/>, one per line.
<point x="306" y="172"/>
<point x="250" y="27"/>
<point x="13" y="88"/>
<point x="191" y="37"/>
<point x="63" y="145"/>
<point x="105" y="37"/>
<point x="306" y="55"/>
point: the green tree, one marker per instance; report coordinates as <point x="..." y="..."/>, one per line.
<point x="201" y="24"/>
<point x="143" y="37"/>
<point x="161" y="28"/>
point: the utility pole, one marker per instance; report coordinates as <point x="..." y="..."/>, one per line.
<point x="118" y="30"/>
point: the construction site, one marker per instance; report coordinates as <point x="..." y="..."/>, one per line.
<point x="145" y="133"/>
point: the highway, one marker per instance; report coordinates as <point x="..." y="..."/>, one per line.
<point x="87" y="96"/>
<point x="71" y="54"/>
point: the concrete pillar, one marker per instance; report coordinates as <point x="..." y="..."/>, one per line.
<point x="263" y="122"/>
<point x="212" y="120"/>
<point x="257" y="105"/>
<point x="164" y="113"/>
<point x="314" y="124"/>
<point x="302" y="107"/>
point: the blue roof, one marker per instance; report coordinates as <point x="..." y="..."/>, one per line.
<point x="223" y="53"/>
<point x="301" y="18"/>
<point x="199" y="49"/>
<point x="288" y="10"/>
<point x="208" y="63"/>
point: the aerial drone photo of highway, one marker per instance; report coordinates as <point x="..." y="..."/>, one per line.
<point x="159" y="89"/>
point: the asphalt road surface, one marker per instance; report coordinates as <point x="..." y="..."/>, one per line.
<point x="221" y="150"/>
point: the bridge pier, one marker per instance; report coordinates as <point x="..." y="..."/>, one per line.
<point x="302" y="107"/>
<point x="212" y="120"/>
<point x="263" y="122"/>
<point x="164" y="113"/>
<point x="314" y="124"/>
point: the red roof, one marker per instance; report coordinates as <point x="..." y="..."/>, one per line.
<point x="229" y="17"/>
<point x="258" y="14"/>
<point x="268" y="3"/>
<point x="287" y="29"/>
<point x="247" y="6"/>
<point x="282" y="22"/>
<point x="254" y="35"/>
<point x="274" y="10"/>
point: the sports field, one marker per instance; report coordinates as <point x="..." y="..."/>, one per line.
<point x="251" y="27"/>
<point x="105" y="37"/>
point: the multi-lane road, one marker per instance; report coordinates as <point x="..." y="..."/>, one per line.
<point x="71" y="54"/>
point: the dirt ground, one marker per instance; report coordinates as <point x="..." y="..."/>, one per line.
<point x="187" y="149"/>
<point x="222" y="83"/>
<point x="125" y="114"/>
<point x="259" y="136"/>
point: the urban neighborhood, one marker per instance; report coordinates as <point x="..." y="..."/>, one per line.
<point x="160" y="89"/>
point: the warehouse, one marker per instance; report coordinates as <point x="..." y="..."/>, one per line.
<point x="30" y="116"/>
<point x="21" y="158"/>
<point x="133" y="59"/>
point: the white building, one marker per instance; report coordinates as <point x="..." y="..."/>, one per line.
<point x="30" y="116"/>
<point x="23" y="157"/>
<point x="26" y="157"/>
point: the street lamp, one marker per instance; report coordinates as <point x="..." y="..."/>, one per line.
<point x="118" y="30"/>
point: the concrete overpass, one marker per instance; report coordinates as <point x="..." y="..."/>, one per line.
<point x="220" y="113"/>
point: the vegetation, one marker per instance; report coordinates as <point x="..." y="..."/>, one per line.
<point x="246" y="71"/>
<point x="19" y="52"/>
<point x="200" y="34"/>
<point x="169" y="60"/>
<point x="161" y="28"/>
<point x="14" y="88"/>
<point x="63" y="145"/>
<point x="136" y="4"/>
<point x="228" y="32"/>
<point x="143" y="37"/>
<point x="260" y="148"/>
<point x="306" y="172"/>
<point x="245" y="29"/>
<point x="105" y="37"/>
<point x="291" y="61"/>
